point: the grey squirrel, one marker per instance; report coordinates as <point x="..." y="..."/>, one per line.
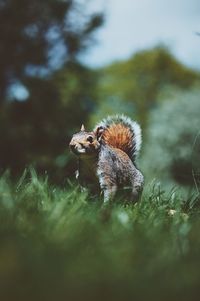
<point x="106" y="156"/>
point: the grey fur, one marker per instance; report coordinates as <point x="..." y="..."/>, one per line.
<point x="115" y="172"/>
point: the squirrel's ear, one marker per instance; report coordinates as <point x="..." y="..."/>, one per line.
<point x="98" y="132"/>
<point x="82" y="128"/>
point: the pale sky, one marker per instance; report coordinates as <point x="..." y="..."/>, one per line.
<point x="133" y="25"/>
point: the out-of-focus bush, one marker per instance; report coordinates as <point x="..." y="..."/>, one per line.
<point x="113" y="105"/>
<point x="139" y="80"/>
<point x="172" y="150"/>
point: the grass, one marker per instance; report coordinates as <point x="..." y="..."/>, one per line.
<point x="56" y="244"/>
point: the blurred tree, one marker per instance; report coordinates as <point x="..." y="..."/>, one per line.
<point x="142" y="78"/>
<point x="37" y="131"/>
<point x="173" y="140"/>
<point x="38" y="36"/>
<point x="39" y="52"/>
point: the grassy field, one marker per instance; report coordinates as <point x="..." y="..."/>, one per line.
<point x="56" y="244"/>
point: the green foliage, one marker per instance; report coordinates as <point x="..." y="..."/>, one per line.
<point x="57" y="245"/>
<point x="139" y="80"/>
<point x="173" y="142"/>
<point x="112" y="106"/>
<point x="77" y="90"/>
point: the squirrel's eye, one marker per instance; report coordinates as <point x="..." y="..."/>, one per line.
<point x="90" y="139"/>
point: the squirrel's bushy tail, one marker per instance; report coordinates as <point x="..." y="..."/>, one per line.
<point x="121" y="132"/>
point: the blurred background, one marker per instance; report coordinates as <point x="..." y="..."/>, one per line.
<point x="68" y="62"/>
<point x="64" y="63"/>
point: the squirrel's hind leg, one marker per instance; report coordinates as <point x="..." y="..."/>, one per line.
<point x="137" y="186"/>
<point x="109" y="192"/>
<point x="107" y="185"/>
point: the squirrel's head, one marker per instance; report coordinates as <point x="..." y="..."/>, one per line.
<point x="85" y="143"/>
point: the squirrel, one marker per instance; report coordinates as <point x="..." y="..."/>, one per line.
<point x="106" y="156"/>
